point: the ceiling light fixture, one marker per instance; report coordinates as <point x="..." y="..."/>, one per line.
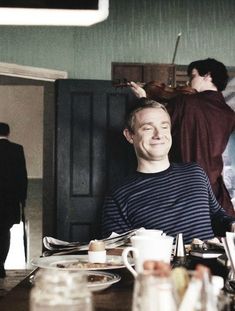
<point x="59" y="13"/>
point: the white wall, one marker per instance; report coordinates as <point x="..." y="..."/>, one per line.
<point x="22" y="108"/>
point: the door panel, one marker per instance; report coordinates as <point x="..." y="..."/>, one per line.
<point x="92" y="153"/>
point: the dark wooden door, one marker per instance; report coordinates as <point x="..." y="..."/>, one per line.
<point x="91" y="153"/>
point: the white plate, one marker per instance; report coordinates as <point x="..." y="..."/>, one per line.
<point x="65" y="262"/>
<point x="106" y="280"/>
<point x="97" y="280"/>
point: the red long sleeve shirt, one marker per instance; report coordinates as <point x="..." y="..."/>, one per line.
<point x="201" y="127"/>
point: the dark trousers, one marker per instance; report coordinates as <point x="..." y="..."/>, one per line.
<point x="4" y="243"/>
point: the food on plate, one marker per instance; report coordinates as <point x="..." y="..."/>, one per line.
<point x="91" y="278"/>
<point x="85" y="265"/>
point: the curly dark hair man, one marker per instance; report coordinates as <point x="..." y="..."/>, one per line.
<point x="216" y="69"/>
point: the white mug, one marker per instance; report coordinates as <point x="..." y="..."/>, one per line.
<point x="149" y="232"/>
<point x="147" y="248"/>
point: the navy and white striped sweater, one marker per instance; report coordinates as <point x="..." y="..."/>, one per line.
<point x="177" y="200"/>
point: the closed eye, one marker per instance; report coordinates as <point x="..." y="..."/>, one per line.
<point x="147" y="128"/>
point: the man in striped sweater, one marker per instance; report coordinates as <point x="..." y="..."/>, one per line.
<point x="202" y="123"/>
<point x="176" y="198"/>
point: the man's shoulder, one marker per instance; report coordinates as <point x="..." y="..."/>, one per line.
<point x="189" y="172"/>
<point x="184" y="164"/>
<point x="206" y="98"/>
<point x="10" y="147"/>
<point x="183" y="102"/>
<point x="15" y="145"/>
<point x="124" y="184"/>
<point x="187" y="166"/>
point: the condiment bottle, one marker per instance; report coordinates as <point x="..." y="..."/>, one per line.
<point x="153" y="289"/>
<point x="179" y="259"/>
<point x="153" y="293"/>
<point x="60" y="290"/>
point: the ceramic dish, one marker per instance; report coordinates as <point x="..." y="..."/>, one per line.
<point x="97" y="280"/>
<point x="78" y="262"/>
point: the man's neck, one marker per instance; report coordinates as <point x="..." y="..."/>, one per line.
<point x="208" y="87"/>
<point x="152" y="166"/>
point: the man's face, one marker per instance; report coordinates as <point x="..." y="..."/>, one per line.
<point x="152" y="134"/>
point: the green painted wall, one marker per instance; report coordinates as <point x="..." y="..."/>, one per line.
<point x="135" y="31"/>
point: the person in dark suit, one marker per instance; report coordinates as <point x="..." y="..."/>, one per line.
<point x="13" y="189"/>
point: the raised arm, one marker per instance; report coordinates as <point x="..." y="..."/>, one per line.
<point x="137" y="90"/>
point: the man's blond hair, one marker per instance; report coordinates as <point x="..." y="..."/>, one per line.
<point x="141" y="104"/>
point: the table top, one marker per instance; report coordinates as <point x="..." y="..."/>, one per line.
<point x="118" y="297"/>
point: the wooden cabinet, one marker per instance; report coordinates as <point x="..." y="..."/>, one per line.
<point x="144" y="72"/>
<point x="170" y="74"/>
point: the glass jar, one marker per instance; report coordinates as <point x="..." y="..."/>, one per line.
<point x="60" y="290"/>
<point x="153" y="293"/>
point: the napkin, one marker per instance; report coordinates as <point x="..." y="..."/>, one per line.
<point x="64" y="247"/>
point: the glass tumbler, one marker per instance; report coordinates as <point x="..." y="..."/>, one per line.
<point x="60" y="290"/>
<point x="153" y="293"/>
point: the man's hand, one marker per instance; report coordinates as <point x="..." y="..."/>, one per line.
<point x="137" y="90"/>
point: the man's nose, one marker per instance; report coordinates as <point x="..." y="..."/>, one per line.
<point x="157" y="133"/>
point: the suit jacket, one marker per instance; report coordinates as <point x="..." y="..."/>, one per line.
<point x="13" y="182"/>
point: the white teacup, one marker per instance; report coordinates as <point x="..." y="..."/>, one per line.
<point x="147" y="248"/>
<point x="149" y="232"/>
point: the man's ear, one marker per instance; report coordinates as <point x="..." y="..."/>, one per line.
<point x="128" y="135"/>
<point x="207" y="77"/>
